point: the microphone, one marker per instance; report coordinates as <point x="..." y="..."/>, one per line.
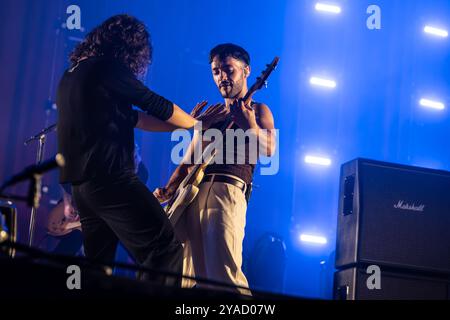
<point x="30" y="171"/>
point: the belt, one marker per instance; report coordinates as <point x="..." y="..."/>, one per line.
<point x="224" y="179"/>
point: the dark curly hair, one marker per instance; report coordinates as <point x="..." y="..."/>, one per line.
<point x="121" y="37"/>
<point x="229" y="50"/>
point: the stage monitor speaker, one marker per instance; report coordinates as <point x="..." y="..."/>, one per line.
<point x="393" y="215"/>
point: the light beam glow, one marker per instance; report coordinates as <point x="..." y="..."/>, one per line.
<point x="436" y="31"/>
<point x="432" y="104"/>
<point x="308" y="238"/>
<point x="327" y="83"/>
<point x="317" y="160"/>
<point x="328" y="8"/>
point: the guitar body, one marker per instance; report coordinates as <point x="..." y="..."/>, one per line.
<point x="184" y="199"/>
<point x="185" y="194"/>
<point x="58" y="225"/>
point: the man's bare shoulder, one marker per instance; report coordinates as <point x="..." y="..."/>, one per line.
<point x="261" y="109"/>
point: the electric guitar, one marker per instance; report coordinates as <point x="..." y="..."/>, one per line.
<point x="58" y="224"/>
<point x="188" y="188"/>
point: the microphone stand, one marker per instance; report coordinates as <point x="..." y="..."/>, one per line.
<point x="34" y="192"/>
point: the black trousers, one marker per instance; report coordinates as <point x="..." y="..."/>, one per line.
<point x="122" y="208"/>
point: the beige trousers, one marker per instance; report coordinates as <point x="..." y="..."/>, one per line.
<point x="212" y="231"/>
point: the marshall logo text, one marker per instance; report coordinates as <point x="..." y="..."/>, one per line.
<point x="411" y="207"/>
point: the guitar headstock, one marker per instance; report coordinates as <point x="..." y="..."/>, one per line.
<point x="262" y="79"/>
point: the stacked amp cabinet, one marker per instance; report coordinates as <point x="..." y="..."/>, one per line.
<point x="393" y="235"/>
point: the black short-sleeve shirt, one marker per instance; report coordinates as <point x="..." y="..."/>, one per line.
<point x="96" y="120"/>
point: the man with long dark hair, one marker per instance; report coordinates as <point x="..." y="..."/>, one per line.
<point x="96" y="136"/>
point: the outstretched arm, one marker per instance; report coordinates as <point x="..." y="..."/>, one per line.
<point x="179" y="119"/>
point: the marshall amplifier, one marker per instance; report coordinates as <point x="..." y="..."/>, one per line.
<point x="352" y="284"/>
<point x="393" y="215"/>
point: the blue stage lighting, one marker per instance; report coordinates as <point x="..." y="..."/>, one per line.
<point x="322" y="161"/>
<point x="329" y="8"/>
<point x="436" y="31"/>
<point x="321" y="82"/>
<point x="313" y="239"/>
<point x="432" y="104"/>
